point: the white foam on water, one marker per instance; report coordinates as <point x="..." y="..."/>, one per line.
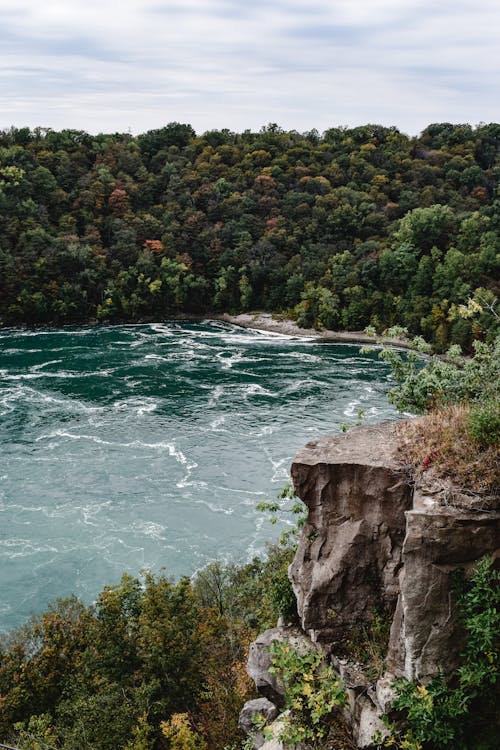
<point x="254" y="389"/>
<point x="236" y="491"/>
<point x="164" y="330"/>
<point x="138" y="406"/>
<point x="217" y="393"/>
<point x="21" y="508"/>
<point x="213" y="507"/>
<point x="280" y="467"/>
<point x="89" y="513"/>
<point x="227" y="361"/>
<point x="36" y="368"/>
<point x="157" y="357"/>
<point x="24" y="393"/>
<point x="186" y="482"/>
<point x="22" y="548"/>
<point x="264" y="431"/>
<point x="302" y="356"/>
<point x="61" y="375"/>
<point x="150" y="529"/>
<point x="71" y="436"/>
<point x="215" y="424"/>
<point x="15" y="350"/>
<point x="305" y="384"/>
<point x="352" y="407"/>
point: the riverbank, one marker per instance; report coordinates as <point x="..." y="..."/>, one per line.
<point x="276" y="324"/>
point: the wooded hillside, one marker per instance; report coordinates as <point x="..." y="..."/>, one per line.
<point x="355" y="227"/>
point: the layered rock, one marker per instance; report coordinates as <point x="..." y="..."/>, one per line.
<point x="425" y="634"/>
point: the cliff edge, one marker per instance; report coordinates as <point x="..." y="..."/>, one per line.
<point x="379" y="538"/>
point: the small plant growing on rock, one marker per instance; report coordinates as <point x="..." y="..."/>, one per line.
<point x="483" y="424"/>
<point x="313" y="694"/>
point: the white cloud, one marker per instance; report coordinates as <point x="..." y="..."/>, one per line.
<point x="221" y="63"/>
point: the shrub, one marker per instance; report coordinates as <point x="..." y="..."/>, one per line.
<point x="313" y="694"/>
<point x="483" y="424"/>
<point x="459" y="714"/>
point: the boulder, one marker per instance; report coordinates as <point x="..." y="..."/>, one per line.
<point x="254" y="715"/>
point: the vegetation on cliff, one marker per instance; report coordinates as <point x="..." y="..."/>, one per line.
<point x="460" y="712"/>
<point x="458" y="437"/>
<point x="354" y="227"/>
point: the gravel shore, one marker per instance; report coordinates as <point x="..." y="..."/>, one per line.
<point x="275" y="324"/>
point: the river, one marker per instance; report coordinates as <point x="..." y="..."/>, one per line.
<point x="149" y="446"/>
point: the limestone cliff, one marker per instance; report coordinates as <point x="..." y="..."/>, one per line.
<point x="379" y="539"/>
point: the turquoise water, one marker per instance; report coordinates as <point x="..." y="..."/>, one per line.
<point x="149" y="446"/>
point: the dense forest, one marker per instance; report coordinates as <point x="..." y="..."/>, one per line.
<point x="350" y="228"/>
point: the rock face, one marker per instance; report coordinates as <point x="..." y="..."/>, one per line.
<point x="425" y="636"/>
<point x="253" y="715"/>
<point x="374" y="539"/>
<point x="377" y="539"/>
<point x="350" y="554"/>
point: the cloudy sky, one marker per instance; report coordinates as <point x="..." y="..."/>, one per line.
<point x="118" y="65"/>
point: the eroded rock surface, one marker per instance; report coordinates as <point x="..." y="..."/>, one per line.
<point x="425" y="635"/>
<point x="375" y="538"/>
<point x="254" y="715"/>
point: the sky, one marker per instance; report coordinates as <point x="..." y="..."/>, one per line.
<point x="132" y="65"/>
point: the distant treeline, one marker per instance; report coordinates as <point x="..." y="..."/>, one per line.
<point x="350" y="228"/>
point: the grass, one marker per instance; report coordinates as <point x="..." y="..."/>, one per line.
<point x="367" y="644"/>
<point x="440" y="447"/>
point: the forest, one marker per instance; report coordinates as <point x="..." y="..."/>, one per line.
<point x="352" y="228"/>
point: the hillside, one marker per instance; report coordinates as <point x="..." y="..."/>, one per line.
<point x="350" y="228"/>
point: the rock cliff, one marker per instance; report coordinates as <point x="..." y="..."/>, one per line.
<point x="379" y="539"/>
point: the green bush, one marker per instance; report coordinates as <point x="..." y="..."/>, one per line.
<point x="483" y="424"/>
<point x="313" y="694"/>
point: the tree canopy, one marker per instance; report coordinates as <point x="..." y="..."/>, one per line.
<point x="354" y="227"/>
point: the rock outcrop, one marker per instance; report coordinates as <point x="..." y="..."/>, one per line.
<point x="350" y="553"/>
<point x="378" y="539"/>
<point x="254" y="715"/>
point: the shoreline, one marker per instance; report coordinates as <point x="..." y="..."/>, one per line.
<point x="259" y="321"/>
<point x="268" y="322"/>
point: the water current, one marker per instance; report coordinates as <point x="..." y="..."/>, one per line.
<point x="149" y="446"/>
